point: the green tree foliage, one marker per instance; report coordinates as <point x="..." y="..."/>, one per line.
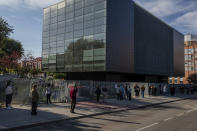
<point x="56" y="75"/>
<point x="9" y="46"/>
<point x="11" y="50"/>
<point x="5" y="30"/>
<point x="59" y="75"/>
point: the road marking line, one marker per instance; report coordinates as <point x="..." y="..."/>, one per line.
<point x="181" y="114"/>
<point x="169" y="118"/>
<point x="147" y="126"/>
<point x="191" y="110"/>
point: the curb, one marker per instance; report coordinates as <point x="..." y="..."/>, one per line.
<point x="91" y="115"/>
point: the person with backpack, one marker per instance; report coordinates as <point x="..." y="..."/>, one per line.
<point x="9" y="93"/>
<point x="35" y="98"/>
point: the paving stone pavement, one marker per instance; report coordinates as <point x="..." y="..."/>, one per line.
<point x="20" y="116"/>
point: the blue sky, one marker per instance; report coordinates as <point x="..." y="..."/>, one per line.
<point x="26" y="17"/>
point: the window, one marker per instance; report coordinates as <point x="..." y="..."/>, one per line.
<point x="60" y="31"/>
<point x="46" y="34"/>
<point x="101" y="13"/>
<point x="78" y="33"/>
<point x="100" y="21"/>
<point x="99" y="52"/>
<point x="60" y="43"/>
<point x="45" y="46"/>
<point x="69" y="15"/>
<point x="45" y="40"/>
<point x="53" y="39"/>
<point x="100" y="6"/>
<point x="60" y="37"/>
<point x="46" y="28"/>
<point x="69" y="44"/>
<point x="53" y="26"/>
<point x="69" y="2"/>
<point x="88" y="2"/>
<point x="61" y="24"/>
<point x="69" y="35"/>
<point x="99" y="36"/>
<point x="61" y="18"/>
<point x="79" y="19"/>
<point x="70" y="8"/>
<point x="78" y="26"/>
<point x="52" y="50"/>
<point x="60" y="50"/>
<point x="69" y="28"/>
<point x="78" y="4"/>
<point x="88" y="17"/>
<point x="88" y="31"/>
<point x="78" y="12"/>
<point x="53" y="14"/>
<point x="88" y="53"/>
<point x="52" y="45"/>
<point x="61" y="11"/>
<point x="89" y="9"/>
<point x="61" y="5"/>
<point x="47" y="10"/>
<point x="89" y="24"/>
<point x="99" y="29"/>
<point x="53" y="20"/>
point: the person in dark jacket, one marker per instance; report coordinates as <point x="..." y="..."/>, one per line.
<point x="137" y="90"/>
<point x="98" y="93"/>
<point x="73" y="97"/>
<point x="35" y="98"/>
<point x="48" y="93"/>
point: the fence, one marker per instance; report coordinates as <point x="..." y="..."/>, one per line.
<point x="60" y="90"/>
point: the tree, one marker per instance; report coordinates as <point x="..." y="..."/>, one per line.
<point x="27" y="62"/>
<point x="5" y="30"/>
<point x="192" y="78"/>
<point x="9" y="46"/>
<point x="9" y="61"/>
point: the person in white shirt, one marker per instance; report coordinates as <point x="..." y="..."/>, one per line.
<point x="165" y="90"/>
<point x="8" y="92"/>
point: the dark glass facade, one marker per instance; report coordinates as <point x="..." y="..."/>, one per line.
<point x="74" y="36"/>
<point x="109" y="40"/>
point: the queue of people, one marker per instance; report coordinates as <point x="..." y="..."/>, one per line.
<point x="123" y="91"/>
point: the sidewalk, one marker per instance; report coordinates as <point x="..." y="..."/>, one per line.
<point x="20" y="117"/>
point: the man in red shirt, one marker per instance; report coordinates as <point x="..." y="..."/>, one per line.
<point x="73" y="93"/>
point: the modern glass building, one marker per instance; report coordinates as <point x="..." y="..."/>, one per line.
<point x="109" y="40"/>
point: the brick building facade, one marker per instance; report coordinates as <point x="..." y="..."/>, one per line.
<point x="190" y="47"/>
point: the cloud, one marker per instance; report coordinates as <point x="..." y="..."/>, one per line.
<point x="13" y="3"/>
<point x="187" y="22"/>
<point x="180" y="14"/>
<point x="163" y="8"/>
<point x="40" y="3"/>
<point x="33" y="4"/>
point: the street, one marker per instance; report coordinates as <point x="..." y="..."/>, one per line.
<point x="175" y="116"/>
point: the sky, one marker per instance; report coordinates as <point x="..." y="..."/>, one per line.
<point x="26" y="18"/>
